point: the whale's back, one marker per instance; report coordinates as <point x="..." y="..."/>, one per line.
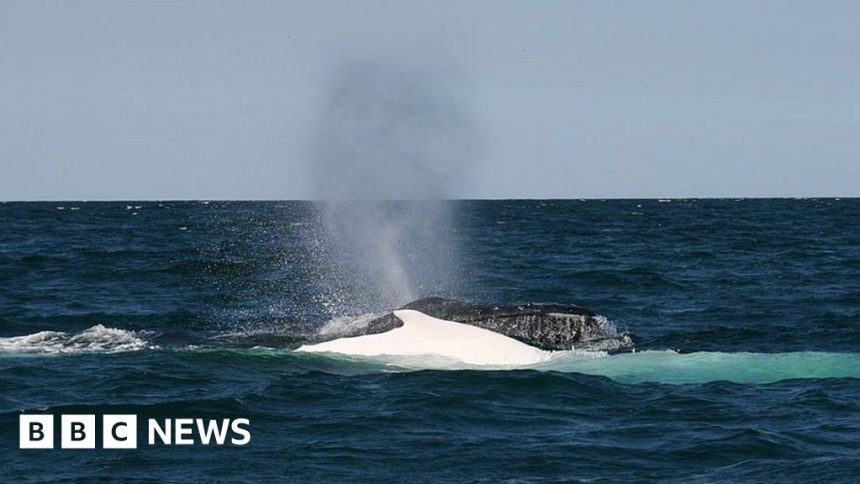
<point x="551" y="327"/>
<point x="422" y="335"/>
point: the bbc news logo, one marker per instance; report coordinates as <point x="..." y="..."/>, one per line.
<point x="120" y="431"/>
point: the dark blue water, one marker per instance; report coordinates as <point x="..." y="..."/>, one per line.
<point x="746" y="314"/>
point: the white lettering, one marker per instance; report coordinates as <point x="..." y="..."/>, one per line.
<point x="237" y="429"/>
<point x="163" y="433"/>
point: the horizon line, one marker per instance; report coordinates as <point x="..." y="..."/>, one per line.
<point x="320" y="200"/>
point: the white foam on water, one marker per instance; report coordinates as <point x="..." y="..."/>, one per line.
<point x="97" y="339"/>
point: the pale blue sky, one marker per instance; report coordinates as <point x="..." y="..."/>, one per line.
<point x="219" y="100"/>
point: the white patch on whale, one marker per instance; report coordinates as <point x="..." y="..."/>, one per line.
<point x="423" y="335"/>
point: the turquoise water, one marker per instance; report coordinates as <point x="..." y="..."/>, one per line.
<point x="743" y="367"/>
<point x="745" y="314"/>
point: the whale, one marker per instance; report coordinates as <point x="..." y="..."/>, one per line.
<point x="422" y="335"/>
<point x="479" y="333"/>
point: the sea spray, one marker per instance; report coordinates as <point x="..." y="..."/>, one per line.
<point x="394" y="143"/>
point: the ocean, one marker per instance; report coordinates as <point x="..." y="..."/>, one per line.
<point x="745" y="315"/>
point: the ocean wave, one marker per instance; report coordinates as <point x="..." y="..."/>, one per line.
<point x="97" y="339"/>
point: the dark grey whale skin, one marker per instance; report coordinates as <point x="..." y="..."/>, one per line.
<point x="545" y="326"/>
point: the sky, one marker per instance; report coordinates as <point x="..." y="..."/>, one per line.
<point x="122" y="100"/>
